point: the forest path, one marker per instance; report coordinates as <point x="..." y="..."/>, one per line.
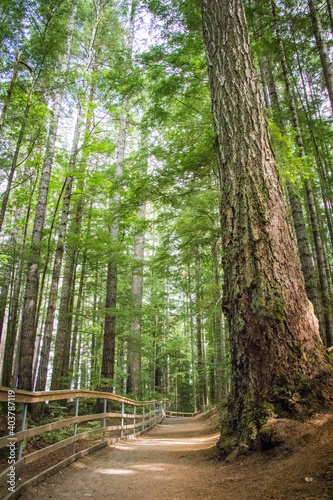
<point x="177" y="460"/>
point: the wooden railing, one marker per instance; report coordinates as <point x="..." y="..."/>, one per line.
<point x="180" y="413"/>
<point x="15" y="440"/>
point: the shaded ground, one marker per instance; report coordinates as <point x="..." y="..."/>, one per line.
<point x="177" y="461"/>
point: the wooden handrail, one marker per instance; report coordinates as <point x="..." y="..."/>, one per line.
<point x="42" y="396"/>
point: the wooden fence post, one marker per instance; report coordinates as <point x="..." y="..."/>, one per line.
<point x="143" y="420"/>
<point x="122" y="419"/>
<point x="24" y="418"/>
<point x="75" y="425"/>
<point x="104" y="419"/>
<point x="134" y="419"/>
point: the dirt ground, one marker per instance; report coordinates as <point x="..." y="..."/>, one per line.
<point x="177" y="460"/>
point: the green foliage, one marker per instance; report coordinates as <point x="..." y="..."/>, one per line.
<point x="292" y="167"/>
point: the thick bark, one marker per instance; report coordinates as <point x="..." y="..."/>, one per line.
<point x="276" y="350"/>
<point x="28" y="333"/>
<point x="134" y="344"/>
<point x="322" y="48"/>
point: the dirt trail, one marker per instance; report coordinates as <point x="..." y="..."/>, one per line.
<point x="177" y="461"/>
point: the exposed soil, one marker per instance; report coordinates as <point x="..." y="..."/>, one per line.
<point x="178" y="460"/>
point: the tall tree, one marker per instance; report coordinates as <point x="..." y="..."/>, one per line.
<point x="108" y="361"/>
<point x="134" y="342"/>
<point x="28" y="333"/>
<point x="274" y="333"/>
<point x="322" y="48"/>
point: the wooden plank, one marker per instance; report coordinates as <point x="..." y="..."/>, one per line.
<point x="52" y="470"/>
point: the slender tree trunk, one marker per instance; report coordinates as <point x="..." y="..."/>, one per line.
<point x="325" y="292"/>
<point x="322" y="48"/>
<point x="60" y="378"/>
<point x="94" y="341"/>
<point x="322" y="314"/>
<point x="274" y="333"/>
<point x="134" y="345"/>
<point x="109" y="340"/>
<point x="9" y="271"/>
<point x="79" y="301"/>
<point x="10" y="356"/>
<point x="202" y="386"/>
<point x="273" y="91"/>
<point x="10" y="90"/>
<point x="294" y="199"/>
<point x="304" y="251"/>
<point x="15" y="157"/>
<point x="319" y="164"/>
<point x="220" y="362"/>
<point x="11" y="275"/>
<point x="28" y="332"/>
<point x="53" y="296"/>
<point x="330" y="12"/>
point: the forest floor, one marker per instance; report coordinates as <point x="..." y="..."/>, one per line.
<point x="178" y="460"/>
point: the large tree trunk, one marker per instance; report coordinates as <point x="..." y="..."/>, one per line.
<point x="322" y="48"/>
<point x="276" y="348"/>
<point x="28" y="333"/>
